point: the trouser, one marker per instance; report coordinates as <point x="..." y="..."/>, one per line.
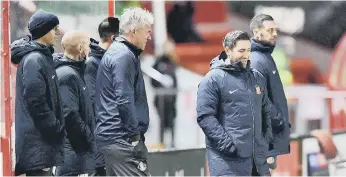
<point x="126" y="159"/>
<point x="80" y="175"/>
<point x="162" y="133"/>
<point x="254" y="171"/>
<point x="45" y="172"/>
<point x="100" y="171"/>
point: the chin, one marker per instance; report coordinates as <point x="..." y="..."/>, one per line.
<point x="273" y="43"/>
<point x="52" y="43"/>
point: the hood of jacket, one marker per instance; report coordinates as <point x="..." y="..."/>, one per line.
<point x="24" y="46"/>
<point x="219" y="62"/>
<point x="95" y="50"/>
<point x="61" y="60"/>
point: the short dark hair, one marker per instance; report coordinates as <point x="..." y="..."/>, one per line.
<point x="108" y="27"/>
<point x="257" y="21"/>
<point x="233" y="37"/>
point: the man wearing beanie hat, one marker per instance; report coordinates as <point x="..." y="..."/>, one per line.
<point x="41" y="25"/>
<point x="39" y="129"/>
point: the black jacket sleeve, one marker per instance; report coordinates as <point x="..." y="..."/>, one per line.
<point x="35" y="98"/>
<point x="207" y="106"/>
<point x="124" y="75"/>
<point x="78" y="133"/>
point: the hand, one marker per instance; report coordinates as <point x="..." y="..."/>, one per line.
<point x="278" y="125"/>
<point x="270" y="160"/>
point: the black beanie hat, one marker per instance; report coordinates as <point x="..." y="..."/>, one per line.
<point x="41" y="22"/>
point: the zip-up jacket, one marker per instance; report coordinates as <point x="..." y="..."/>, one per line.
<point x="235" y="115"/>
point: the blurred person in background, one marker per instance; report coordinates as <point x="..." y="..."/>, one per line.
<point x="180" y="23"/>
<point x="108" y="30"/>
<point x="122" y="113"/>
<point x="20" y="12"/>
<point x="39" y="130"/>
<point x="235" y="113"/>
<point x="121" y="5"/>
<point x="165" y="102"/>
<point x="262" y="45"/>
<point x="282" y="62"/>
<point x="76" y="106"/>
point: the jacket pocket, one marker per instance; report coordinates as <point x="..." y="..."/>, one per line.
<point x="140" y="151"/>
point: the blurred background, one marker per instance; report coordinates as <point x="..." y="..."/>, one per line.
<point x="310" y="56"/>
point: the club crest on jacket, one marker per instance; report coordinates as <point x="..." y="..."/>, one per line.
<point x="258" y="90"/>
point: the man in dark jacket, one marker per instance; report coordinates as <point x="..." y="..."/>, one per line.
<point x="39" y="129"/>
<point x="235" y="113"/>
<point x="262" y="45"/>
<point x="165" y="103"/>
<point x="180" y="24"/>
<point x="108" y="30"/>
<point x="76" y="106"/>
<point x="120" y="98"/>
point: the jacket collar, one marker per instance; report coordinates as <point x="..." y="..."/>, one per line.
<point x="137" y="51"/>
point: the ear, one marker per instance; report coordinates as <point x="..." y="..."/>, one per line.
<point x="80" y="47"/>
<point x="134" y="32"/>
<point x="112" y="38"/>
<point x="228" y="51"/>
<point x="255" y="32"/>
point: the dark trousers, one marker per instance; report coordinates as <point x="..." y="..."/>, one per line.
<point x="100" y="171"/>
<point x="124" y="159"/>
<point x="39" y="173"/>
<point x="254" y="171"/>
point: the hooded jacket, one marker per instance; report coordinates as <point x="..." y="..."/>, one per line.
<point x="91" y="67"/>
<point x="262" y="61"/>
<point x="79" y="118"/>
<point x="39" y="124"/>
<point x="120" y="98"/>
<point x="235" y="113"/>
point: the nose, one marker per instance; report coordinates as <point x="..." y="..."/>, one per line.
<point x="149" y="37"/>
<point x="275" y="33"/>
<point x="57" y="31"/>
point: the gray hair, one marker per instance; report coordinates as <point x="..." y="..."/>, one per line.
<point x="257" y="21"/>
<point x="231" y="38"/>
<point x="134" y="18"/>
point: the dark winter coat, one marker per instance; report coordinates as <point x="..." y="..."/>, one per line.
<point x="91" y="67"/>
<point x="235" y="113"/>
<point x="39" y="126"/>
<point x="262" y="61"/>
<point x="166" y="103"/>
<point x="120" y="98"/>
<point x="79" y="118"/>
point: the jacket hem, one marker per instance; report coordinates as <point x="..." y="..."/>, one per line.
<point x="38" y="167"/>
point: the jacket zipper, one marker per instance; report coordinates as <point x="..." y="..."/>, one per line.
<point x="253" y="123"/>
